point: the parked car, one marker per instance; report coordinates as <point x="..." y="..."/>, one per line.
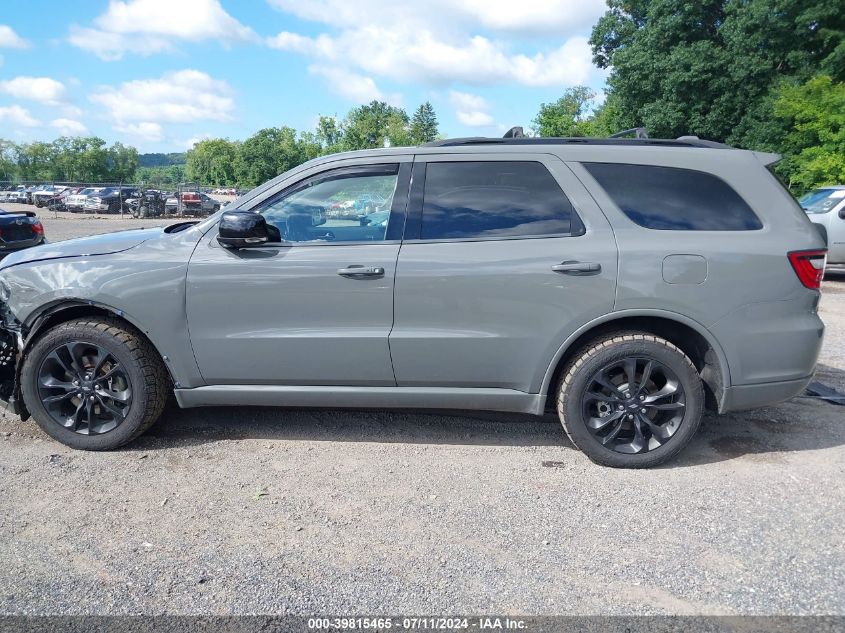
<point x="76" y="201"/>
<point x="110" y="200"/>
<point x="627" y="285"/>
<point x="193" y="203"/>
<point x="147" y="203"/>
<point x="19" y="230"/>
<point x="826" y="209"/>
<point x="42" y="195"/>
<point x="14" y="195"/>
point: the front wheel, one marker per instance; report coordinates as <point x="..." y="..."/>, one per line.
<point x="94" y="384"/>
<point x="631" y="400"/>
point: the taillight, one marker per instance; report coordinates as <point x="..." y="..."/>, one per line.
<point x="38" y="228"/>
<point x="809" y="266"/>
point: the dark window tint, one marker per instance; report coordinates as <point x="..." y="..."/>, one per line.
<point x="670" y="198"/>
<point x="492" y="200"/>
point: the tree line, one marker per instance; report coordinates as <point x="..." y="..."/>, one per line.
<point x="70" y="159"/>
<point x="757" y="74"/>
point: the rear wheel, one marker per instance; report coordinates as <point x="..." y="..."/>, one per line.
<point x="94" y="384"/>
<point x="631" y="400"/>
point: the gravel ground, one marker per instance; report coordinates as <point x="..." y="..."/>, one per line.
<point x="319" y="511"/>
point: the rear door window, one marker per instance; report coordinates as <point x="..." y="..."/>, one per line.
<point x="494" y="200"/>
<point x="674" y="199"/>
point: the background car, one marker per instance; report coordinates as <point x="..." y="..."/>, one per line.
<point x="193" y="203"/>
<point x="41" y="196"/>
<point x="76" y="201"/>
<point x="826" y="209"/>
<point x="110" y="200"/>
<point x="19" y="230"/>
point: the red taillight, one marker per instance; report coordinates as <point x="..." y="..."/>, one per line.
<point x="809" y="266"/>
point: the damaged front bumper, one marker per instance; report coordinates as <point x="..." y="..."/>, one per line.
<point x="11" y="348"/>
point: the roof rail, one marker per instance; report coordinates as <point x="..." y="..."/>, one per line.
<point x="655" y="142"/>
<point x="638" y="132"/>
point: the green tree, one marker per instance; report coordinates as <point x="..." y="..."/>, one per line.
<point x="814" y="147"/>
<point x="574" y="114"/>
<point x="423" y="124"/>
<point x="212" y="162"/>
<point x="268" y="153"/>
<point x="122" y="162"/>
<point x="8" y="168"/>
<point x="708" y="68"/>
<point x="372" y="125"/>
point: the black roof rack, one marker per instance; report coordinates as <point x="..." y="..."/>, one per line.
<point x="684" y="141"/>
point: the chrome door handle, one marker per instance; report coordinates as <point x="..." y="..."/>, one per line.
<point x="577" y="268"/>
<point x="357" y="270"/>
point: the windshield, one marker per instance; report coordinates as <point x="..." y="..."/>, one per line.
<point x="822" y="200"/>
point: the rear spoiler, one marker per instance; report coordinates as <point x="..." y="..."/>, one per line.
<point x="29" y="214"/>
<point x="767" y="158"/>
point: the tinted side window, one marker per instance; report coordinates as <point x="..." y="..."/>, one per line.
<point x="670" y="198"/>
<point x="493" y="200"/>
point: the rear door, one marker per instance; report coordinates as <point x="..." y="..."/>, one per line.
<point x="504" y="256"/>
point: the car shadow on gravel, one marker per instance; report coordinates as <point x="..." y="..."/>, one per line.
<point x="186" y="427"/>
<point x="761" y="435"/>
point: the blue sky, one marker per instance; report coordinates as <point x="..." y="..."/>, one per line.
<point x="160" y="74"/>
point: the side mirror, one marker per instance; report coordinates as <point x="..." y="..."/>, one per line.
<point x="242" y="229"/>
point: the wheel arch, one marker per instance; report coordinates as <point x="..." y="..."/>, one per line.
<point x="685" y="333"/>
<point x="66" y="310"/>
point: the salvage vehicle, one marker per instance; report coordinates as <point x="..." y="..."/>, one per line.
<point x="627" y="284"/>
<point x="146" y="204"/>
<point x="110" y="200"/>
<point x="76" y="201"/>
<point x="42" y="195"/>
<point x="826" y="209"/>
<point x="192" y="203"/>
<point x="19" y="230"/>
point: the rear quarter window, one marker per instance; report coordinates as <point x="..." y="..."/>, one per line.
<point x="674" y="199"/>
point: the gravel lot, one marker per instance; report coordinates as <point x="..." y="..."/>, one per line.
<point x="320" y="511"/>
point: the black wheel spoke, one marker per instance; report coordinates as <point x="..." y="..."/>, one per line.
<point x="646" y="376"/>
<point x="84" y="388"/>
<point x="633" y="405"/>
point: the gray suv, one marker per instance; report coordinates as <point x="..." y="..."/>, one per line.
<point x="627" y="284"/>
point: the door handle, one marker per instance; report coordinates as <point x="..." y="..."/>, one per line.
<point x="577" y="268"/>
<point x="356" y="270"/>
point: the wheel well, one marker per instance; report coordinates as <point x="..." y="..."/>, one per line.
<point x="693" y="344"/>
<point x="64" y="313"/>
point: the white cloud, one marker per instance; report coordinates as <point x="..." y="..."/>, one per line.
<point x="406" y="52"/>
<point x="152" y="26"/>
<point x="145" y="130"/>
<point x="18" y="116"/>
<point x="553" y="17"/>
<point x="183" y="96"/>
<point x="470" y="109"/>
<point x="356" y="88"/>
<point x="189" y="144"/>
<point x="10" y="39"/>
<point x="68" y="127"/>
<point x="42" y="89"/>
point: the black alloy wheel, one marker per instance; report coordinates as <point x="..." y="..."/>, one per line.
<point x="84" y="388"/>
<point x="634" y="405"/>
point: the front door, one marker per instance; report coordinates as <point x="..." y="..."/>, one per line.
<point x="505" y="255"/>
<point x="315" y="308"/>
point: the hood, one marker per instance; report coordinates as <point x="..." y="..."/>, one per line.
<point x="83" y="247"/>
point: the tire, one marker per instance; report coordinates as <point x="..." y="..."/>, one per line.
<point x="127" y="355"/>
<point x="653" y="428"/>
